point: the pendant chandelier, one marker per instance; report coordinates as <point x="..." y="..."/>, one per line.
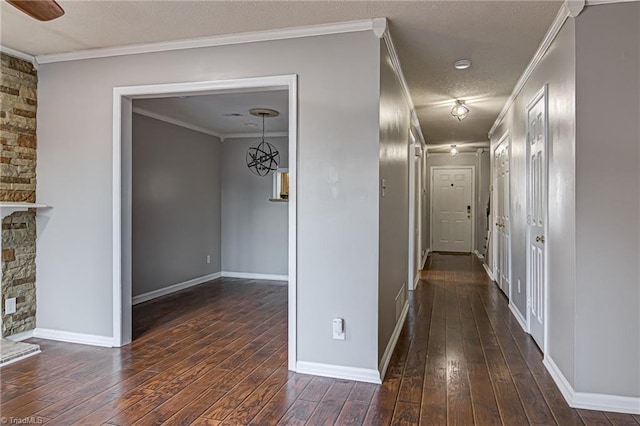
<point x="263" y="158"/>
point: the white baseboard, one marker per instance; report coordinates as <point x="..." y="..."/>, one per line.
<point x="386" y="357"/>
<point x="416" y="281"/>
<point x="486" y="268"/>
<point x="339" y="372"/>
<point x="19" y="337"/>
<point x="424" y="259"/>
<point x="174" y="288"/>
<point x="70" y="337"/>
<point x="519" y="317"/>
<point x="590" y="401"/>
<point x="477" y="253"/>
<point x="252" y="276"/>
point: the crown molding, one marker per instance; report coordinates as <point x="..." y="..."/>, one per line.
<point x="442" y="154"/>
<point x="200" y="129"/>
<point x="20" y="55"/>
<point x="176" y="122"/>
<point x="563" y="14"/>
<point x="381" y="27"/>
<point x="255" y="135"/>
<point x="397" y="68"/>
<point x="219" y="40"/>
<point x="597" y="2"/>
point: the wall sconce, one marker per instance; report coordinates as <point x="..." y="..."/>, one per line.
<point x="454" y="150"/>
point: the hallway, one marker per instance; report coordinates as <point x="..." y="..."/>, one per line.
<point x="461" y="359"/>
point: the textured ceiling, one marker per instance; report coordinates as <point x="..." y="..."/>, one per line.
<point x="208" y="111"/>
<point x="499" y="37"/>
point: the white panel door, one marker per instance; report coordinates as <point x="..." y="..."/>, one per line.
<point x="536" y="215"/>
<point x="452" y="204"/>
<point x="502" y="216"/>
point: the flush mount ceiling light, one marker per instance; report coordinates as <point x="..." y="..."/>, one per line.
<point x="263" y="158"/>
<point x="462" y="64"/>
<point x="454" y="150"/>
<point x="460" y="110"/>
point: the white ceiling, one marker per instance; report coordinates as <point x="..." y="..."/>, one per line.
<point x="208" y="111"/>
<point x="500" y="37"/>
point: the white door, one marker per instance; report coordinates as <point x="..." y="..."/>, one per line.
<point x="502" y="216"/>
<point x="536" y="215"/>
<point x="452" y="204"/>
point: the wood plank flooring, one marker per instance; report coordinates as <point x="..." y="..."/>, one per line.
<point x="216" y="354"/>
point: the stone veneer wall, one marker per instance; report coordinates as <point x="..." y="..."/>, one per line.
<point x="18" y="102"/>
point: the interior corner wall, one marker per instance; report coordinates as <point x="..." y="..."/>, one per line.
<point x="557" y="68"/>
<point x="175" y="204"/>
<point x="607" y="200"/>
<point x="481" y="188"/>
<point x="337" y="203"/>
<point x="254" y="229"/>
<point x="393" y="266"/>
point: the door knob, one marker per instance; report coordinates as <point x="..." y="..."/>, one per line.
<point x="540" y="239"/>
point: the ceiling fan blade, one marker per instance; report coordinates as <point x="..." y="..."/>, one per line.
<point x="42" y="10"/>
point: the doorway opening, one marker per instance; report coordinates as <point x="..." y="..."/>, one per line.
<point x="123" y="220"/>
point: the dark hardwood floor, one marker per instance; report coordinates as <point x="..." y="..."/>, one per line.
<point x="217" y="354"/>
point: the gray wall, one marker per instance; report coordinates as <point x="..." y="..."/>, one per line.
<point x="173" y="168"/>
<point x="557" y="68"/>
<point x="338" y="94"/>
<point x="254" y="229"/>
<point x="607" y="200"/>
<point x="393" y="266"/>
<point x="481" y="188"/>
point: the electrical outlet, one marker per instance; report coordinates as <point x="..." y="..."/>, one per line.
<point x="208" y="259"/>
<point x="518" y="286"/>
<point x="338" y="329"/>
<point x="10" y="306"/>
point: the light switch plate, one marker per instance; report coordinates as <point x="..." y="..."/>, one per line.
<point x="10" y="306"/>
<point x="338" y="329"/>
